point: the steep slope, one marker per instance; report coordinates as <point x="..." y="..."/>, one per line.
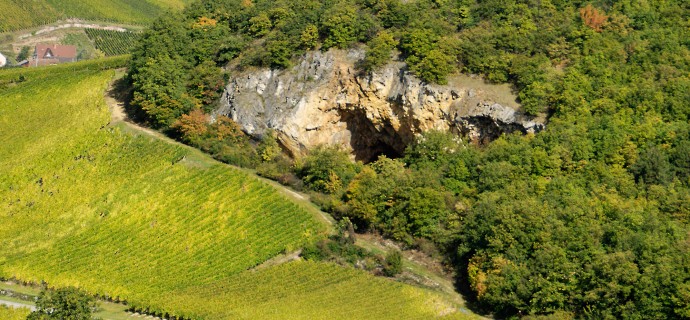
<point x="118" y="215"/>
<point x="325" y="99"/>
<point x="157" y="224"/>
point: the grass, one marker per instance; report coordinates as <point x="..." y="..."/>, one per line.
<point x="124" y="213"/>
<point x="7" y="313"/>
<point x="20" y="289"/>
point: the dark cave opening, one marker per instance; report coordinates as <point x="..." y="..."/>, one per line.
<point x="369" y="141"/>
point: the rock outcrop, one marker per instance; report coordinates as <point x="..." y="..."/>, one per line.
<point x="326" y="100"/>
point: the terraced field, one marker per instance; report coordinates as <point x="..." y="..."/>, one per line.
<point x="17" y="14"/>
<point x="157" y="224"/>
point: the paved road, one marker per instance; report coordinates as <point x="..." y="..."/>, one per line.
<point x="17" y="304"/>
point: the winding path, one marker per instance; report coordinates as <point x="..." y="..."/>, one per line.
<point x="13" y="304"/>
<point x="118" y="114"/>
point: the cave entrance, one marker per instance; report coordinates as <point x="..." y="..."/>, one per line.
<point x="369" y="141"/>
<point x="382" y="150"/>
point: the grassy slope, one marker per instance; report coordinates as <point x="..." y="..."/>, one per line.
<point x="119" y="215"/>
<point x="83" y="203"/>
<point x="17" y="14"/>
<point x="13" y="314"/>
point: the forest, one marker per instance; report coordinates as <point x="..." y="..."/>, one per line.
<point x="589" y="218"/>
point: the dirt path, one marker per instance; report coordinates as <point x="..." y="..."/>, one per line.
<point x="119" y="115"/>
<point x="72" y="23"/>
<point x="17" y="305"/>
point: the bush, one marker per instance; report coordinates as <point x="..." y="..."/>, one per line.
<point x="327" y="169"/>
<point x="393" y="263"/>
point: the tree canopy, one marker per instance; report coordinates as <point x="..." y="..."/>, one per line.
<point x="65" y="304"/>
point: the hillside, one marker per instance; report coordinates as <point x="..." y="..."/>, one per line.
<point x="587" y="218"/>
<point x="165" y="228"/>
<point x="16" y="15"/>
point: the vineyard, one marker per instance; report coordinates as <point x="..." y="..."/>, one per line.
<point x="17" y="14"/>
<point x="13" y="314"/>
<point x="311" y="290"/>
<point x="111" y="42"/>
<point x="156" y="224"/>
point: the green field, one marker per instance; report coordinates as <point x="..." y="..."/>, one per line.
<point x="110" y="42"/>
<point x="156" y="224"/>
<point x="311" y="290"/>
<point x="16" y="14"/>
<point x="13" y="314"/>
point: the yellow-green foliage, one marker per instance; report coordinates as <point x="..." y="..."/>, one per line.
<point x="19" y="14"/>
<point x="82" y="203"/>
<point x="13" y="314"/>
<point x="87" y="204"/>
<point x="312" y="290"/>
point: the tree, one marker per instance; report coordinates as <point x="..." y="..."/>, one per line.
<point x="327" y="169"/>
<point x="653" y="167"/>
<point x="269" y="148"/>
<point x="65" y="304"/>
<point x="309" y="38"/>
<point x="260" y="25"/>
<point x="160" y="90"/>
<point x="379" y="51"/>
<point x="193" y="126"/>
<point x="340" y="25"/>
<point x="23" y="54"/>
<point x="205" y="84"/>
<point x="393" y="264"/>
<point x="593" y="18"/>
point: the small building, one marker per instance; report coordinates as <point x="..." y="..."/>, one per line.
<point x="23" y="63"/>
<point x="50" y="54"/>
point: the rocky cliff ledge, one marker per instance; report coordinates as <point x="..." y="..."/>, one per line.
<point x="326" y="100"/>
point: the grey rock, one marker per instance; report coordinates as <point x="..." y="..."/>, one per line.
<point x="325" y="100"/>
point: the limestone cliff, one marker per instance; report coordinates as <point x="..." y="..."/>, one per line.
<point x="325" y="100"/>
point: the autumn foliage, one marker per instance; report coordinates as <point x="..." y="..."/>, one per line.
<point x="192" y="126"/>
<point x="593" y="18"/>
<point x="205" y="23"/>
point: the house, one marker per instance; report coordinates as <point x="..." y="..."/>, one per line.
<point x="3" y="60"/>
<point x="49" y="54"/>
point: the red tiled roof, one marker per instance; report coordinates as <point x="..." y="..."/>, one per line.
<point x="56" y="51"/>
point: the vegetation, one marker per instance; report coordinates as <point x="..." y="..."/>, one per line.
<point x="16" y="15"/>
<point x="112" y="43"/>
<point x="158" y="225"/>
<point x="121" y="216"/>
<point x="310" y="290"/>
<point x="23" y="53"/>
<point x="7" y="313"/>
<point x="587" y="219"/>
<point x="64" y="303"/>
